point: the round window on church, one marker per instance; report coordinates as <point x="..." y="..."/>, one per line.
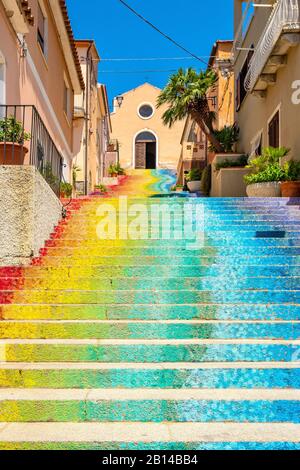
<point x="146" y="111"/>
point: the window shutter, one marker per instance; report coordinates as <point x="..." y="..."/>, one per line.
<point x="274" y="131"/>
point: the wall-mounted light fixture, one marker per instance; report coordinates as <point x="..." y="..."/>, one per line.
<point x="120" y="100"/>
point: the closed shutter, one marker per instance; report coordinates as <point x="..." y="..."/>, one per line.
<point x="140" y="155"/>
<point x="274" y="131"/>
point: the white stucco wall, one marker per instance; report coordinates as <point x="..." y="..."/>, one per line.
<point x="29" y="212"/>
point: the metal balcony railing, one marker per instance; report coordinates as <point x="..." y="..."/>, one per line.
<point x="24" y="139"/>
<point x="285" y="16"/>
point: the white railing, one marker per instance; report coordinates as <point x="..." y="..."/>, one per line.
<point x="285" y="16"/>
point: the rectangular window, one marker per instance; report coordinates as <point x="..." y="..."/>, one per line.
<point x="41" y="29"/>
<point x="274" y="131"/>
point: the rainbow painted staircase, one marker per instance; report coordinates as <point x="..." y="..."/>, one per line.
<point x="149" y="344"/>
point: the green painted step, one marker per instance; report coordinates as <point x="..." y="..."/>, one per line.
<point x="153" y="297"/>
<point x="151" y="312"/>
<point x="239" y="411"/>
<point x="145" y="330"/>
<point x="47" y="376"/>
<point x="33" y="351"/>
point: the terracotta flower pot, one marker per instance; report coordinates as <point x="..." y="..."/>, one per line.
<point x="271" y="189"/>
<point x="290" y="189"/>
<point x="12" y="153"/>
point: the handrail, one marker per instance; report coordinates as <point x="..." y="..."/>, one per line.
<point x="24" y="138"/>
<point x="285" y="16"/>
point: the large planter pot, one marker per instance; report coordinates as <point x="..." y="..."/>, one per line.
<point x="264" y="189"/>
<point x="290" y="189"/>
<point x="194" y="186"/>
<point x="12" y="153"/>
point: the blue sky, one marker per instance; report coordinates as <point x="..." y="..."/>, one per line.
<point x="119" y="34"/>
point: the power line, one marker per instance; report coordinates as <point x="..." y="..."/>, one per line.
<point x="137" y="71"/>
<point x="141" y="59"/>
<point x="145" y="59"/>
<point x="162" y="33"/>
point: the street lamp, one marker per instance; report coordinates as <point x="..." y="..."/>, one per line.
<point x="120" y="100"/>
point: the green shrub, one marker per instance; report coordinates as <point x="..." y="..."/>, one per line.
<point x="206" y="180"/>
<point x="227" y="163"/>
<point x="66" y="189"/>
<point x="115" y="170"/>
<point x="267" y="167"/>
<point x="194" y="175"/>
<point x="291" y="170"/>
<point x="101" y="187"/>
<point x="227" y="137"/>
<point x="12" y="130"/>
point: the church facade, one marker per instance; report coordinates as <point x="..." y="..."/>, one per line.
<point x="144" y="141"/>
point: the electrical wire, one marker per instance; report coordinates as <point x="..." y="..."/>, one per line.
<point x="162" y="33"/>
<point x="138" y="71"/>
<point x="145" y="59"/>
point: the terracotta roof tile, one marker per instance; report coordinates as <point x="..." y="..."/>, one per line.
<point x="72" y="41"/>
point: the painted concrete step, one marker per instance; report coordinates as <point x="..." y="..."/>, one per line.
<point x="52" y="273"/>
<point x="145" y="283"/>
<point x="159" y="283"/>
<point x="148" y="330"/>
<point x="147" y="351"/>
<point x="277" y="260"/>
<point x="127" y="376"/>
<point x="87" y="252"/>
<point x="91" y="406"/>
<point x="263" y="239"/>
<point x="164" y="446"/>
<point x="150" y="312"/>
<point x="154" y="297"/>
<point x="93" y="433"/>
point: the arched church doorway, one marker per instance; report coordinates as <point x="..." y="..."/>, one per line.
<point x="145" y="150"/>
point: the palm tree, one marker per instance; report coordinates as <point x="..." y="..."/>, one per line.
<point x="186" y="95"/>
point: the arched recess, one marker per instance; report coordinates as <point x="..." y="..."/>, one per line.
<point x="145" y="150"/>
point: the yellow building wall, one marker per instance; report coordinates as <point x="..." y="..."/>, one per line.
<point x="126" y="124"/>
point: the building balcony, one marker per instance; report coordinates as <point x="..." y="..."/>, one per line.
<point x="25" y="140"/>
<point x="282" y="32"/>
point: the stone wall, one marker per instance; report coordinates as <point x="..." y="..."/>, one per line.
<point x="29" y="212"/>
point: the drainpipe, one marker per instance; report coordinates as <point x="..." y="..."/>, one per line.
<point x="87" y="97"/>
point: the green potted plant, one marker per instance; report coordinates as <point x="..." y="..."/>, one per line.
<point x="193" y="179"/>
<point x="101" y="188"/>
<point x="266" y="173"/>
<point x="228" y="136"/>
<point x="290" y="186"/>
<point x="66" y="190"/>
<point x="240" y="162"/>
<point x="12" y="139"/>
<point x="112" y="171"/>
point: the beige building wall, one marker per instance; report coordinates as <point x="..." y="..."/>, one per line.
<point x="222" y="95"/>
<point x="33" y="77"/>
<point x="87" y="114"/>
<point x="256" y="112"/>
<point x="127" y="124"/>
